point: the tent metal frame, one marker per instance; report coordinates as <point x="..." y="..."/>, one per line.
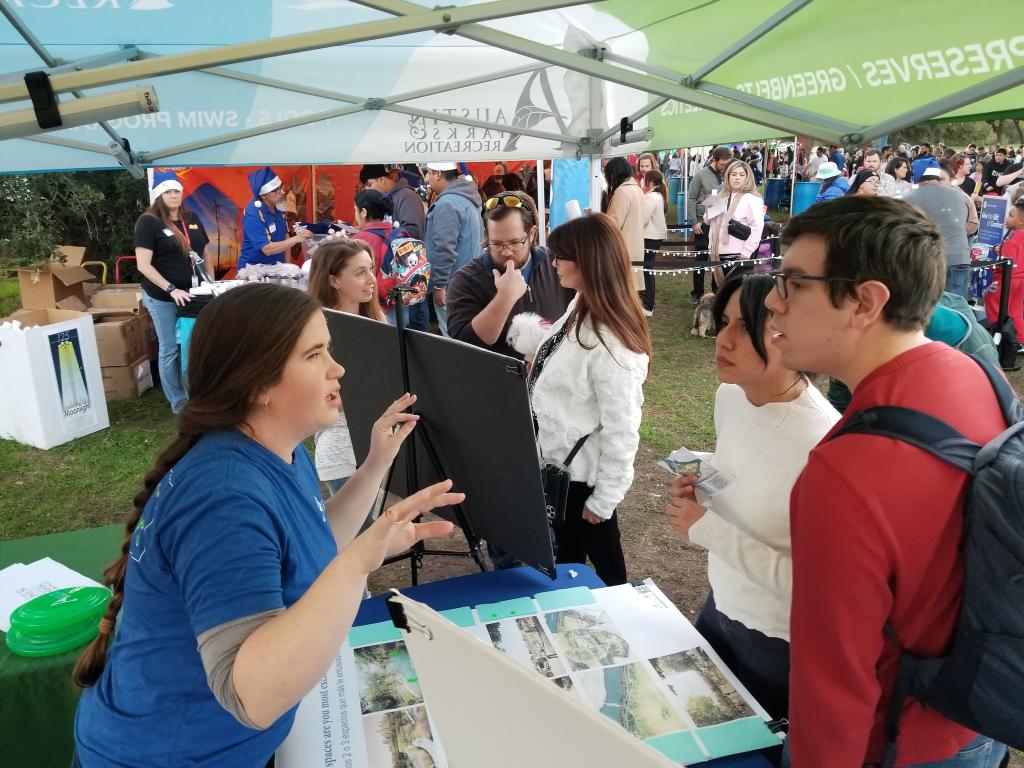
<point x="128" y="64"/>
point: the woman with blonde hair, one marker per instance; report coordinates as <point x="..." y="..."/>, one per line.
<point x="586" y="388"/>
<point x="735" y="220"/>
<point x="343" y="278"/>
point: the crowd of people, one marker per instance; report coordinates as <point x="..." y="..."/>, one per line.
<point x="829" y="554"/>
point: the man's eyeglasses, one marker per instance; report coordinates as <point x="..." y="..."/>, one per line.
<point x="508" y="245"/>
<point x="505" y="201"/>
<point x="782" y="281"/>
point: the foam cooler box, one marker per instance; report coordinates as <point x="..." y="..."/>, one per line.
<point x="51" y="387"/>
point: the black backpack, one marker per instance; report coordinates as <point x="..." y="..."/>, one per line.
<point x="980" y="683"/>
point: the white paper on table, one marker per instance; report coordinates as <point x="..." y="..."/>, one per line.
<point x="19" y="585"/>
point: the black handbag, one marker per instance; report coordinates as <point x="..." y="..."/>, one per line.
<point x="555" y="478"/>
<point x="738" y="229"/>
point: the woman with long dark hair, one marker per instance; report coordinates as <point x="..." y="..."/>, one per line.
<point x="655" y="231"/>
<point x="342" y="278"/>
<point x="237" y="583"/>
<point x="169" y="242"/>
<point x="761" y="408"/>
<point x="624" y="203"/>
<point x="894" y="180"/>
<point x="587" y="383"/>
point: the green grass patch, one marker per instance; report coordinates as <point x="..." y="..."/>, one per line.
<point x="87" y="482"/>
<point x="10" y="296"/>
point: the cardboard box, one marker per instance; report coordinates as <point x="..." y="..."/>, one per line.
<point x="51" y="382"/>
<point x="125" y="296"/>
<point x="126" y="382"/>
<point x="119" y="339"/>
<point x="51" y="285"/>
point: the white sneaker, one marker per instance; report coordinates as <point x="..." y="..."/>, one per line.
<point x="648" y="312"/>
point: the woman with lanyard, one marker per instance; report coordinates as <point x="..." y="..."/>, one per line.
<point x="264" y="228"/>
<point x="237" y="582"/>
<point x="586" y="389"/>
<point x="169" y="243"/>
<point x="736" y="221"/>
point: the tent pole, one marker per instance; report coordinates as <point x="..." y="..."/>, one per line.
<point x="783" y="109"/>
<point x="421" y="20"/>
<point x="990" y="87"/>
<point x="792" y="173"/>
<point x="740" y="45"/>
<point x="159" y="154"/>
<point x="611" y="131"/>
<point x="127" y="53"/>
<point x="312" y="197"/>
<point x="614" y="74"/>
<point x="542" y="219"/>
<point x="84" y="146"/>
<point x="51" y="61"/>
<point x="686" y="185"/>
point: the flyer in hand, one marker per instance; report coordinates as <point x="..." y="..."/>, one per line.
<point x="689" y="464"/>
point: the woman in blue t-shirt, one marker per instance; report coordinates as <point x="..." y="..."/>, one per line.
<point x="237" y="582"/>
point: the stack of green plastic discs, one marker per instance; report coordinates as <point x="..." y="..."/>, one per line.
<point x="58" y="621"/>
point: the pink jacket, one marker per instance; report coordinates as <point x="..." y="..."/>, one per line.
<point x="749" y="211"/>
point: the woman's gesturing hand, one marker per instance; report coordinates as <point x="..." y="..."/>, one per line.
<point x="394" y="531"/>
<point x="391" y="429"/>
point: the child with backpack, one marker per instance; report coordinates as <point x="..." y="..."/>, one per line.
<point x="372" y="211"/>
<point x="885" y="569"/>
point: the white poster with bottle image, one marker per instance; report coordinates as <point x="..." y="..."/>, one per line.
<point x="52" y="382"/>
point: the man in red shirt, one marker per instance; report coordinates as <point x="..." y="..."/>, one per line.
<point x="876" y="522"/>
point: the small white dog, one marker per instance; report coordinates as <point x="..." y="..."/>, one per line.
<point x="525" y="334"/>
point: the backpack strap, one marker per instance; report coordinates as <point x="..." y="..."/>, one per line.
<point x="916" y="428"/>
<point x="1008" y="402"/>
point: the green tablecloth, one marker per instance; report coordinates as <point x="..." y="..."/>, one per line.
<point x="37" y="699"/>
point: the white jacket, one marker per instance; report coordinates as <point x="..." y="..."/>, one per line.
<point x="593" y="392"/>
<point x="749" y="211"/>
<point x="655" y="227"/>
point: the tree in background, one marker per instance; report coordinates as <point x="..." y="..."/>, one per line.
<point x="97" y="209"/>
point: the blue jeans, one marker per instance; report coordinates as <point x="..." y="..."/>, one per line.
<point x="958" y="281"/>
<point x="442" y="316"/>
<point x="416" y="317"/>
<point x="165" y="317"/>
<point x="980" y="753"/>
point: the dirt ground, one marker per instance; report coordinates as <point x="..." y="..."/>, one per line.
<point x="652" y="547"/>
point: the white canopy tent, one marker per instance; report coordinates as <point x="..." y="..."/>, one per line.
<point x="336" y="81"/>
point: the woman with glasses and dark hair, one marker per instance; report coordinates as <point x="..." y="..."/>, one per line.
<point x="762" y="409"/>
<point x="865" y="183"/>
<point x="625" y="206"/>
<point x="512" y="276"/>
<point x="586" y="385"/>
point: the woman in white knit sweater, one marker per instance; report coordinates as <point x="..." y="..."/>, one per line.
<point x="767" y="420"/>
<point x="587" y="382"/>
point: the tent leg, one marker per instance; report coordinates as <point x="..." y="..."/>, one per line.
<point x="542" y="223"/>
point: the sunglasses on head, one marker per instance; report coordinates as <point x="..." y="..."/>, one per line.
<point x="503" y="201"/>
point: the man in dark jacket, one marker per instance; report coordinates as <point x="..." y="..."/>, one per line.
<point x="512" y="276"/>
<point x="408" y="210"/>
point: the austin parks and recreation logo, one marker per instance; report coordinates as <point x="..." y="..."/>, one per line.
<point x="536" y="105"/>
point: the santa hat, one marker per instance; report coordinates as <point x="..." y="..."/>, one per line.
<point x="263" y="181"/>
<point x="163" y="181"/>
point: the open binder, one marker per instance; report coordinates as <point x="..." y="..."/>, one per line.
<point x="526" y="720"/>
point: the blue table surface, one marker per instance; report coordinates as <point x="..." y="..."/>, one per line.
<point x="495" y="586"/>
